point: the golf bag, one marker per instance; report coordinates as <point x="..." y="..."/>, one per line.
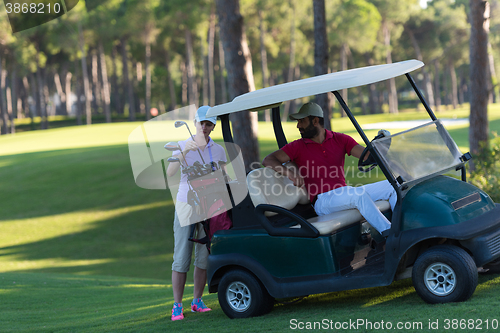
<point x="210" y="201"/>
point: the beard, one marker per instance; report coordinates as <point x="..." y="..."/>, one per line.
<point x="309" y="132"/>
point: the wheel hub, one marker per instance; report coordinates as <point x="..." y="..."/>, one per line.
<point x="238" y="296"/>
<point x="440" y="279"/>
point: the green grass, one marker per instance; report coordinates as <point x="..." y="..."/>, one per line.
<point x="83" y="249"/>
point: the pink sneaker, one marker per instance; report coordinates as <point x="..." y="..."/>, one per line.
<point x="177" y="312"/>
<point x="197" y="305"/>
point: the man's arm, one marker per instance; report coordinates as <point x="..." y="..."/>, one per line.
<point x="275" y="161"/>
<point x="357" y="150"/>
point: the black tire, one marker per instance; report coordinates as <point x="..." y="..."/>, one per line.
<point x="444" y="274"/>
<point x="241" y="295"/>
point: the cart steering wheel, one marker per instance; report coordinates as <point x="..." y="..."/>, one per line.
<point x="370" y="162"/>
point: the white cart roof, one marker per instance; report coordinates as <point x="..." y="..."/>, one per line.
<point x="270" y="97"/>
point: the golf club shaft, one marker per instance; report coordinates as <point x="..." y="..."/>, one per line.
<point x="195" y="141"/>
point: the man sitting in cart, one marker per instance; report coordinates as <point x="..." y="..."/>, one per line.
<point x="320" y="157"/>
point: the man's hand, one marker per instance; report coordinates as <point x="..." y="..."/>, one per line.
<point x="276" y="160"/>
<point x="292" y="172"/>
<point x="296" y="179"/>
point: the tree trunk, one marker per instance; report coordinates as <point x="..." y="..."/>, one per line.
<point x="67" y="88"/>
<point x="263" y="61"/>
<point x="78" y="89"/>
<point x="184" y="96"/>
<point x="293" y="102"/>
<point x="454" y="85"/>
<point x="161" y="106"/>
<point x="462" y="88"/>
<point x="3" y="109"/>
<point x="427" y="81"/>
<point x="211" y="47"/>
<point x="391" y="83"/>
<point x="105" y="84"/>
<point x="171" y="87"/>
<point x="127" y="88"/>
<point x="117" y="98"/>
<point x="60" y="92"/>
<point x="85" y="75"/>
<point x="321" y="55"/>
<point x="148" y="80"/>
<point x="222" y="62"/>
<point x="204" y="78"/>
<point x="15" y="94"/>
<point x="291" y="64"/>
<point x="49" y="108"/>
<point x="493" y="89"/>
<point x="10" y="113"/>
<point x="373" y="95"/>
<point x="25" y="97"/>
<point x="191" y="75"/>
<point x="62" y="81"/>
<point x="41" y="94"/>
<point x="359" y="90"/>
<point x="136" y="79"/>
<point x="96" y="86"/>
<point x="478" y="130"/>
<point x="8" y="95"/>
<point x="437" y="87"/>
<point x="35" y="111"/>
<point x="240" y="77"/>
<point x="343" y="67"/>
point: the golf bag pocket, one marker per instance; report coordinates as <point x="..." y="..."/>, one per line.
<point x="212" y="197"/>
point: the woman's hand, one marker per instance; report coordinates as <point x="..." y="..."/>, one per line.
<point x="190" y="146"/>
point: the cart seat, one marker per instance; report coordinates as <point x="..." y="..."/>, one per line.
<point x="266" y="186"/>
<point x="326" y="224"/>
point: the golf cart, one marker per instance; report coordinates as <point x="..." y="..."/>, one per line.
<point x="442" y="228"/>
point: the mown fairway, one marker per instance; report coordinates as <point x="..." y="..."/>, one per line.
<point x="83" y="249"/>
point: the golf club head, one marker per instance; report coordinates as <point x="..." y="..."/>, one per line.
<point x="187" y="169"/>
<point x="179" y="123"/>
<point x="173" y="159"/>
<point x="172" y="146"/>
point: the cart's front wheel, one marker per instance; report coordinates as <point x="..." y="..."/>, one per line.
<point x="241" y="295"/>
<point x="444" y="274"/>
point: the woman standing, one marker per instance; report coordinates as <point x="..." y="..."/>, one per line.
<point x="210" y="151"/>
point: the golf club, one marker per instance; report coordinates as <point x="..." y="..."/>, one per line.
<point x="173" y="146"/>
<point x="179" y="123"/>
<point x="173" y="159"/>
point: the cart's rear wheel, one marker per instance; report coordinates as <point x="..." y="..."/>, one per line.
<point x="444" y="274"/>
<point x="241" y="295"/>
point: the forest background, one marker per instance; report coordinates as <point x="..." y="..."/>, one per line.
<point x="130" y="59"/>
<point x="82" y="248"/>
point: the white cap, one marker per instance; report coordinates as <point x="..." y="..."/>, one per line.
<point x="201" y="115"/>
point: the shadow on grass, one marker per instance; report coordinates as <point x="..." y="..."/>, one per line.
<point x="136" y="244"/>
<point x="65" y="303"/>
<point x="37" y="185"/>
<point x="62" y="181"/>
<point x="397" y="302"/>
